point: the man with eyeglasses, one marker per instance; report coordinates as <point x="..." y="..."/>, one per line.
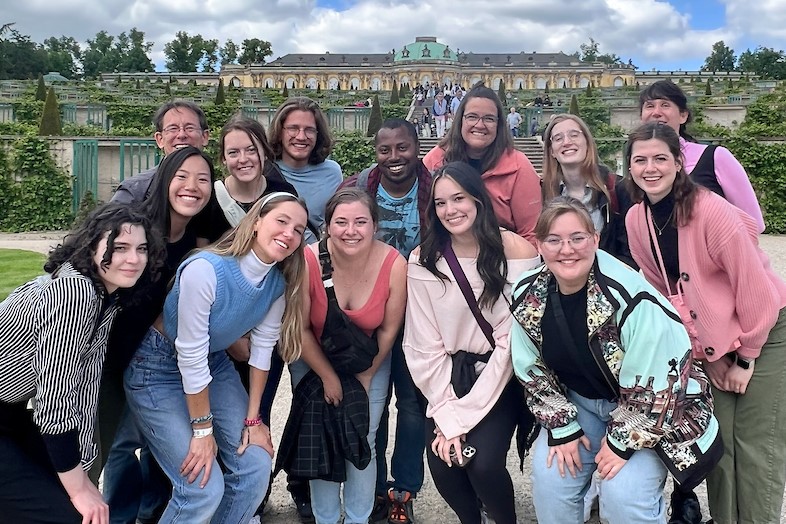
<point x="178" y="123"/>
<point x="301" y="142"/>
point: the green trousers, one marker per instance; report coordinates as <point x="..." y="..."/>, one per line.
<point x="747" y="485"/>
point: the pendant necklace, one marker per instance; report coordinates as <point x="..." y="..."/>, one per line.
<point x="666" y="224"/>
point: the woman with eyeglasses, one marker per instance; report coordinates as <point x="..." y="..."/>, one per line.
<point x="479" y="137"/>
<point x="583" y="346"/>
<point x="571" y="167"/>
<point x="687" y="239"/>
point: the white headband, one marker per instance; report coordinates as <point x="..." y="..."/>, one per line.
<point x="274" y="195"/>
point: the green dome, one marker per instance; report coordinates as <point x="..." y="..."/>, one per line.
<point x="425" y="48"/>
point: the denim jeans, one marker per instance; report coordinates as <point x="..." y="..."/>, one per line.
<point x="132" y="486"/>
<point x="406" y="464"/>
<point x="359" y="486"/>
<point x="155" y="396"/>
<point x="634" y="495"/>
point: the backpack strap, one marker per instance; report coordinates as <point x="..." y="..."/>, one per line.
<point x="232" y="210"/>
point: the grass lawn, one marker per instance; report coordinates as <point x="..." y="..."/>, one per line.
<point x="18" y="267"/>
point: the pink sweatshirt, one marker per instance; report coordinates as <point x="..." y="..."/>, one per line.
<point x="731" y="177"/>
<point x="439" y="323"/>
<point x="514" y="188"/>
<point x="727" y="279"/>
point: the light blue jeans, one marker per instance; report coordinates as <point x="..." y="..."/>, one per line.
<point x="155" y="397"/>
<point x="634" y="495"/>
<point x="360" y="484"/>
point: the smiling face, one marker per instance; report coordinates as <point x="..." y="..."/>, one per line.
<point x="189" y="190"/>
<point x="298" y="138"/>
<point x="279" y="232"/>
<point x="476" y="129"/>
<point x="129" y="258"/>
<point x="180" y="127"/>
<point x="567" y="142"/>
<point x="242" y="158"/>
<point x="653" y="168"/>
<point x="569" y="251"/>
<point x="455" y="208"/>
<point x="664" y="111"/>
<point x="397" y="158"/>
<point x="351" y="228"/>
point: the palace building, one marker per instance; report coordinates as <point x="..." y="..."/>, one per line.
<point x="426" y="60"/>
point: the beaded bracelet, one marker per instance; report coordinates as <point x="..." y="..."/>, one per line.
<point x="252" y="422"/>
<point x="202" y="432"/>
<point x="202" y="419"/>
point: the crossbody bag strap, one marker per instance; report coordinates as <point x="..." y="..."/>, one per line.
<point x="658" y="254"/>
<point x="232" y="210"/>
<point x="466" y="290"/>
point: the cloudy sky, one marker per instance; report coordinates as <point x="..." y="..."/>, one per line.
<point x="656" y="34"/>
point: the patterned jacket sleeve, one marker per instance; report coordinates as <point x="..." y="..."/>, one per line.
<point x="543" y="394"/>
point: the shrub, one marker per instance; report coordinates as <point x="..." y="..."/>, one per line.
<point x="353" y="152"/>
<point x="40" y="92"/>
<point x="375" y="119"/>
<point x="394" y="94"/>
<point x="50" y="119"/>
<point x="220" y="96"/>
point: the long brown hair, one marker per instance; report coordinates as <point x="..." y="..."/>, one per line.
<point x="240" y="241"/>
<point x="685" y="190"/>
<point x="456" y="148"/>
<point x="323" y="143"/>
<point x="590" y="168"/>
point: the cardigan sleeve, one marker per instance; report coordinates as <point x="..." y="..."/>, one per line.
<point x="733" y="246"/>
<point x="66" y="323"/>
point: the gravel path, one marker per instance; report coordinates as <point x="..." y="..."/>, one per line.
<point x="429" y="507"/>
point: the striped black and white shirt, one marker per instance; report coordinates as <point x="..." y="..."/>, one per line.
<point x="53" y="333"/>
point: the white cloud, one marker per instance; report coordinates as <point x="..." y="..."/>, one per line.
<point x="654" y="33"/>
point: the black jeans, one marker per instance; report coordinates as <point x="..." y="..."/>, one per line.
<point x="30" y="490"/>
<point x="486" y="478"/>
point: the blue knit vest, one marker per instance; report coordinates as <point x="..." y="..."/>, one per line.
<point x="239" y="306"/>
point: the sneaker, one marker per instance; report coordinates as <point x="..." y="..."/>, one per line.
<point x="303" y="508"/>
<point x="684" y="508"/>
<point x="381" y="509"/>
<point x="401" y="511"/>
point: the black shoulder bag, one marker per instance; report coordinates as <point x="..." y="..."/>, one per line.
<point x="346" y="346"/>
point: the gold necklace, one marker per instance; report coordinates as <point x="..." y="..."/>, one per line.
<point x="665" y="225"/>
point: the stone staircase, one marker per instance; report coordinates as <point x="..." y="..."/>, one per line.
<point x="531" y="146"/>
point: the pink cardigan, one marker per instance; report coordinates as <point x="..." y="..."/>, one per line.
<point x="514" y="188"/>
<point x="727" y="279"/>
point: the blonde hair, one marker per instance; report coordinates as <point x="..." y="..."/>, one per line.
<point x="590" y="168"/>
<point x="240" y="241"/>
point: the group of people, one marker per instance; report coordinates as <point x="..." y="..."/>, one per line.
<point x="492" y="301"/>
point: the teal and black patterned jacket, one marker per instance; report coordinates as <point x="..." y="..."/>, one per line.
<point x="641" y="347"/>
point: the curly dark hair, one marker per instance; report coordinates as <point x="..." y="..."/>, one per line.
<point x="324" y="140"/>
<point x="156" y="205"/>
<point x="80" y="245"/>
<point x="492" y="264"/>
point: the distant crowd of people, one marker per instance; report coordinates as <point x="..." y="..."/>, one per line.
<point x="621" y="328"/>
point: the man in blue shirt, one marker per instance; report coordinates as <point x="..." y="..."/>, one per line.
<point x="401" y="185"/>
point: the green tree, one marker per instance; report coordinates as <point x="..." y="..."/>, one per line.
<point x="574" y="105"/>
<point x="501" y="92"/>
<point x="100" y="56"/>
<point x="721" y="58"/>
<point x="255" y="51"/>
<point x="220" y="96"/>
<point x="394" y="98"/>
<point x="708" y="89"/>
<point x="285" y="92"/>
<point x="401" y="92"/>
<point x="40" y="92"/>
<point x="375" y="118"/>
<point x="765" y="62"/>
<point x="50" y="119"/>
<point x="64" y="55"/>
<point x="20" y="57"/>
<point x="184" y="53"/>
<point x="590" y="52"/>
<point x="210" y="56"/>
<point x="229" y="53"/>
<point x="588" y="92"/>
<point x="134" y="52"/>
